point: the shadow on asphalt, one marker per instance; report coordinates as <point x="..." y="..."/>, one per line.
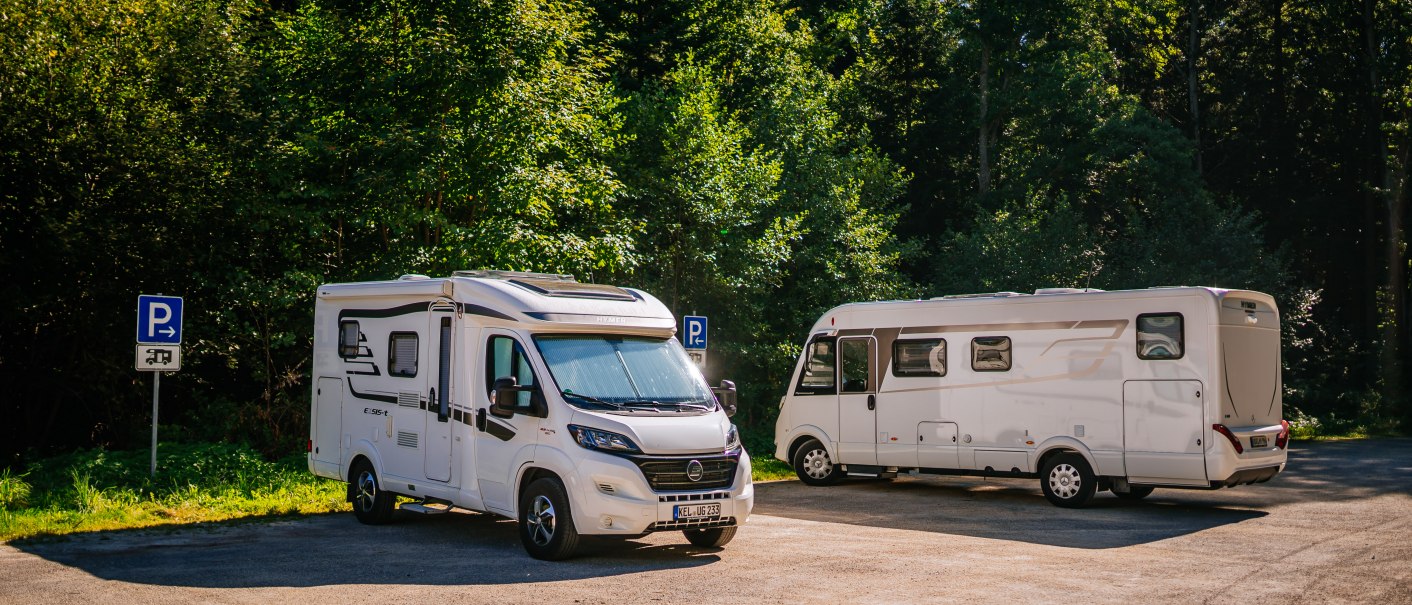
<point x="470" y="549"/>
<point x="1014" y="509"/>
<point x="452" y="550"/>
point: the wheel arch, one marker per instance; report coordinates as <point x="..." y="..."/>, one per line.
<point x="802" y="435"/>
<point x="1061" y="445"/>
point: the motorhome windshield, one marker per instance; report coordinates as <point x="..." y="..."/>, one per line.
<point x="627" y="373"/>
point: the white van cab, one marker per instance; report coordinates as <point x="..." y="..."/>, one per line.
<point x="566" y="405"/>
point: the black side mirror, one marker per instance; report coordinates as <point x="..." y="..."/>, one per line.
<point x="725" y="396"/>
<point x="505" y="396"/>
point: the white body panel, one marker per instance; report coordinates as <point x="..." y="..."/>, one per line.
<point x="360" y="409"/>
<point x="1075" y="382"/>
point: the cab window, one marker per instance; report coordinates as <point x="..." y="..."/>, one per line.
<point x="505" y="357"/>
<point x="817" y="378"/>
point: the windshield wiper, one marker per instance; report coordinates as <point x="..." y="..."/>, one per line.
<point x="592" y="399"/>
<point x="701" y="405"/>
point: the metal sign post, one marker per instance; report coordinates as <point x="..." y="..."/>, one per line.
<point x="158" y="347"/>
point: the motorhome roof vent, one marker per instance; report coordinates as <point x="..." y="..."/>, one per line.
<point x="1065" y="290"/>
<point x="511" y="275"/>
<point x="980" y="295"/>
<point x="413" y="277"/>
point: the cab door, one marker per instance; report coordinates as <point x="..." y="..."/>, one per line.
<point x="506" y="437"/>
<point x="857" y="400"/>
<point x="436" y="462"/>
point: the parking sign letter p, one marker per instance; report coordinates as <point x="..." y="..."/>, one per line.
<point x="153" y="320"/>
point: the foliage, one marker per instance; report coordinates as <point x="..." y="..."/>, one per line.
<point x="755" y="161"/>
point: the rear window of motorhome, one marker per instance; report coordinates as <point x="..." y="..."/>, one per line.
<point x="402" y="354"/>
<point x="919" y="357"/>
<point x="348" y="339"/>
<point x="1160" y="336"/>
<point x="818" y="375"/>
<point x="990" y="354"/>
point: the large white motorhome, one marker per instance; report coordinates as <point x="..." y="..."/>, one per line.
<point x="1083" y="389"/>
<point x="566" y="405"/>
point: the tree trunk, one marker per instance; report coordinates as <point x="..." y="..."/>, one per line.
<point x="1390" y="189"/>
<point x="984" y="151"/>
<point x="1193" y="49"/>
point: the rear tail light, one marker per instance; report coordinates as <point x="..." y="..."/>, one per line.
<point x="1282" y="439"/>
<point x="311" y="446"/>
<point x="1221" y="428"/>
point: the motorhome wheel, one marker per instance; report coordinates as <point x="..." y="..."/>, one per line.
<point x="1068" y="481"/>
<point x="710" y="538"/>
<point x="546" y="525"/>
<point x="371" y="504"/>
<point x="813" y="465"/>
<point x="1135" y="492"/>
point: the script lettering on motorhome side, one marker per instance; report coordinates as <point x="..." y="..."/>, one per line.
<point x="375" y="411"/>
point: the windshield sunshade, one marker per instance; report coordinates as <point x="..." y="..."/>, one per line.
<point x="623" y="370"/>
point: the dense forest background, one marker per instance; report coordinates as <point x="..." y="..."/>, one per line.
<point x="757" y="161"/>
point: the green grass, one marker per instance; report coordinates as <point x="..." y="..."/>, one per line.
<point x="1334" y="428"/>
<point x="96" y="490"/>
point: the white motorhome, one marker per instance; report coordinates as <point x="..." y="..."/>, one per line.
<point x="1085" y="390"/>
<point x="566" y="405"/>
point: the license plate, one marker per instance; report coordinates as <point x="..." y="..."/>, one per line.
<point x="696" y="511"/>
<point x="1259" y="441"/>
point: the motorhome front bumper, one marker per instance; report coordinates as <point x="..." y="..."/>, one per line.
<point x="616" y="498"/>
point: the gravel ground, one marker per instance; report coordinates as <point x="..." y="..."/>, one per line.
<point x="1336" y="527"/>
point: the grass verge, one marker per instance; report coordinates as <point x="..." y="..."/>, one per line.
<point x="97" y="490"/>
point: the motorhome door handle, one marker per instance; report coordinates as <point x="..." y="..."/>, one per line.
<point x="872" y="402"/>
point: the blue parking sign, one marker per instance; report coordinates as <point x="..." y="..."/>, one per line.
<point x="158" y="319"/>
<point x="693" y="331"/>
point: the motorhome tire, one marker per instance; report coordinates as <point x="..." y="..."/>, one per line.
<point x="371" y="504"/>
<point x="1067" y="480"/>
<point x="813" y="465"/>
<point x="546" y="524"/>
<point x="715" y="537"/>
<point x="1135" y="492"/>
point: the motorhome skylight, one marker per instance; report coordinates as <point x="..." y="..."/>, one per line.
<point x="572" y="289"/>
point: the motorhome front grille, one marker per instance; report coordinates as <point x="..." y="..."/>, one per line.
<point x="675" y="474"/>
<point x="406" y="439"/>
<point x="692" y="524"/>
<point x="694" y="497"/>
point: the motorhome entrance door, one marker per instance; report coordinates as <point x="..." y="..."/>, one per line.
<point x="440" y="394"/>
<point x="857" y="400"/>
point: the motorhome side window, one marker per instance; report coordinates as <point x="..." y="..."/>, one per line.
<point x="990" y="354"/>
<point x="505" y="357"/>
<point x="402" y="354"/>
<point x="919" y="357"/>
<point x="348" y="334"/>
<point x="818" y="375"/>
<point x="1160" y="336"/>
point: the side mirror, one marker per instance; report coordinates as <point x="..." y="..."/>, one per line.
<point x="505" y="396"/>
<point x="725" y="396"/>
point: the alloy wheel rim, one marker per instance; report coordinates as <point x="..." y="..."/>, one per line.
<point x="367" y="490"/>
<point x="817" y="464"/>
<point x="1064" y="481"/>
<point x="540" y="520"/>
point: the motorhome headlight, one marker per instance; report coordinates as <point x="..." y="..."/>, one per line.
<point x="732" y="439"/>
<point x="597" y="439"/>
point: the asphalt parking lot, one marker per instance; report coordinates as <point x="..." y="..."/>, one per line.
<point x="1336" y="527"/>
